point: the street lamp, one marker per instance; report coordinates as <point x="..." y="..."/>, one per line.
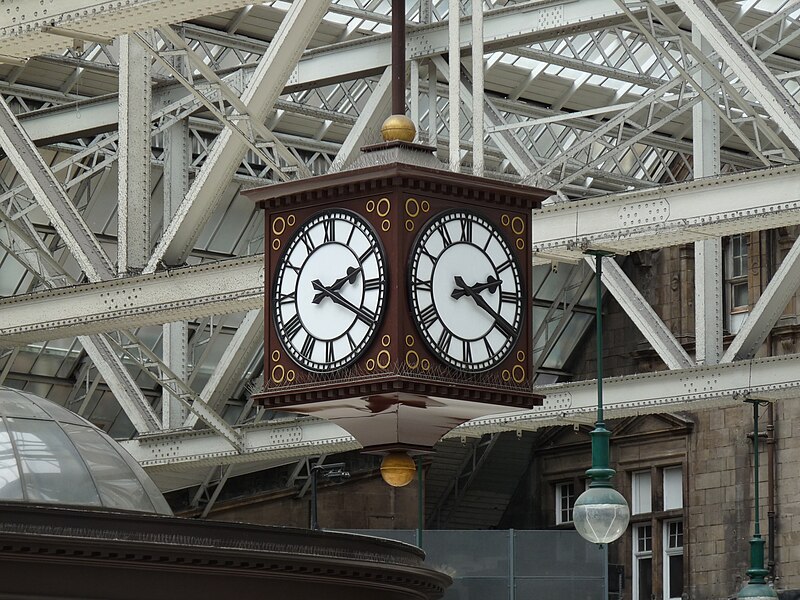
<point x="331" y="471"/>
<point x="756" y="588"/>
<point x="600" y="513"/>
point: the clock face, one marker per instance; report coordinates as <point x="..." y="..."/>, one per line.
<point x="329" y="292"/>
<point x="465" y="291"/>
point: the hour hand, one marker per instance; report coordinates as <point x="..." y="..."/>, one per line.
<point x="337" y="298"/>
<point x="352" y="275"/>
<point x="500" y="322"/>
<point x="491" y="284"/>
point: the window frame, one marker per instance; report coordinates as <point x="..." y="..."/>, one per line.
<point x="733" y="280"/>
<point x="667" y="553"/>
<point x="559" y="509"/>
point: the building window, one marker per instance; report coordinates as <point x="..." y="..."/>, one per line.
<point x="673" y="488"/>
<point x="642" y="562"/>
<point x="736" y="290"/>
<point x="673" y="559"/>
<point x="642" y="493"/>
<point x="565" y="501"/>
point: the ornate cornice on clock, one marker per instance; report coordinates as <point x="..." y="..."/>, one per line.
<point x="326" y="188"/>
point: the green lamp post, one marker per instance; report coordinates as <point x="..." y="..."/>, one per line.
<point x="756" y="588"/>
<point x="600" y="514"/>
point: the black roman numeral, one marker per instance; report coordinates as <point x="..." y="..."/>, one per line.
<point x="444" y="340"/>
<point x="502" y="267"/>
<point x="351" y="341"/>
<point x="329" y="351"/>
<point x="329" y="228"/>
<point x="428" y="316"/>
<point x="423" y="285"/>
<point x="489" y="349"/>
<point x="292" y="326"/>
<point x="467" y="351"/>
<point x="309" y="243"/>
<point x="466" y="230"/>
<point x="372" y="284"/>
<point x="308" y="346"/>
<point x="508" y="297"/>
<point x="289" y="298"/>
<point x="367" y="253"/>
<point x="446" y="239"/>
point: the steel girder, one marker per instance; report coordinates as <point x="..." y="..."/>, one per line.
<point x="31" y="30"/>
<point x="669" y="215"/>
<point x="261" y="92"/>
<point x="683" y="389"/>
<point x="224" y="287"/>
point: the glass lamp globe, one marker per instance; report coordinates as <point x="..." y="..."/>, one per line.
<point x="601" y="515"/>
<point x="757" y="591"/>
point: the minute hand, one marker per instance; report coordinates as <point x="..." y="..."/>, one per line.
<point x="337" y="298"/>
<point x="501" y="323"/>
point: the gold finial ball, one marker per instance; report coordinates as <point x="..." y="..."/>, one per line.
<point x="398" y="469"/>
<point x="398" y="128"/>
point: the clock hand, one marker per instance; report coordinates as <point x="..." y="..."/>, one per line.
<point x="490" y="284"/>
<point x="337" y="298"/>
<point x="501" y="323"/>
<point x="352" y="273"/>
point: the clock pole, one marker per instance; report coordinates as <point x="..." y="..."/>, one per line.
<point x="399" y="57"/>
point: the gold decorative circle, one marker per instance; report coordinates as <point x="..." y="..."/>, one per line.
<point x="506" y="374"/>
<point x="412" y="207"/>
<point x="410" y="341"/>
<point x="290" y="220"/>
<point x="290" y="374"/>
<point x="521" y="355"/>
<point x="412" y="359"/>
<point x="425" y="205"/>
<point x="278" y="225"/>
<point x="276" y="243"/>
<point x="409" y="225"/>
<point x="520" y="244"/>
<point x="370" y="364"/>
<point x="386" y="225"/>
<point x="518" y="373"/>
<point x="505" y="220"/>
<point x="370" y="205"/>
<point x="425" y="363"/>
<point x="278" y="373"/>
<point x="386" y="340"/>
<point x="276" y="355"/>
<point x="383" y="359"/>
<point x="517" y="225"/>
<point x="383" y="207"/>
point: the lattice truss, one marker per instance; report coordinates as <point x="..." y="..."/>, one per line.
<point x="588" y="99"/>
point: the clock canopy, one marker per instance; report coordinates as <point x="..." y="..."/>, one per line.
<point x="398" y="296"/>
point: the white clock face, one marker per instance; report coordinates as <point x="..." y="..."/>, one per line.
<point x="465" y="291"/>
<point x="329" y="292"/>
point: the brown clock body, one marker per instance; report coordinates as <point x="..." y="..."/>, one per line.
<point x="398" y="373"/>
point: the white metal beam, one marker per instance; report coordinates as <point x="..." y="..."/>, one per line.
<point x="707" y="253"/>
<point x="265" y="86"/>
<point x="366" y="129"/>
<point x="768" y="309"/>
<point x="643" y="315"/>
<point x="27" y="30"/>
<point x="669" y="215"/>
<point x="52" y="198"/>
<point x="277" y="440"/>
<point x="133" y="157"/>
<point x="235" y="285"/>
<point x="745" y="62"/>
<point x="230" y="368"/>
<point x="665" y="391"/>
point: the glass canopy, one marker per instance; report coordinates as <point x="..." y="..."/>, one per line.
<point x="49" y="454"/>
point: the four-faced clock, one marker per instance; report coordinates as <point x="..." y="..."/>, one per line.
<point x="330" y="291"/>
<point x="465" y="292"/>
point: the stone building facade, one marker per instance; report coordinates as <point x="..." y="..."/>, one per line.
<point x="697" y="549"/>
